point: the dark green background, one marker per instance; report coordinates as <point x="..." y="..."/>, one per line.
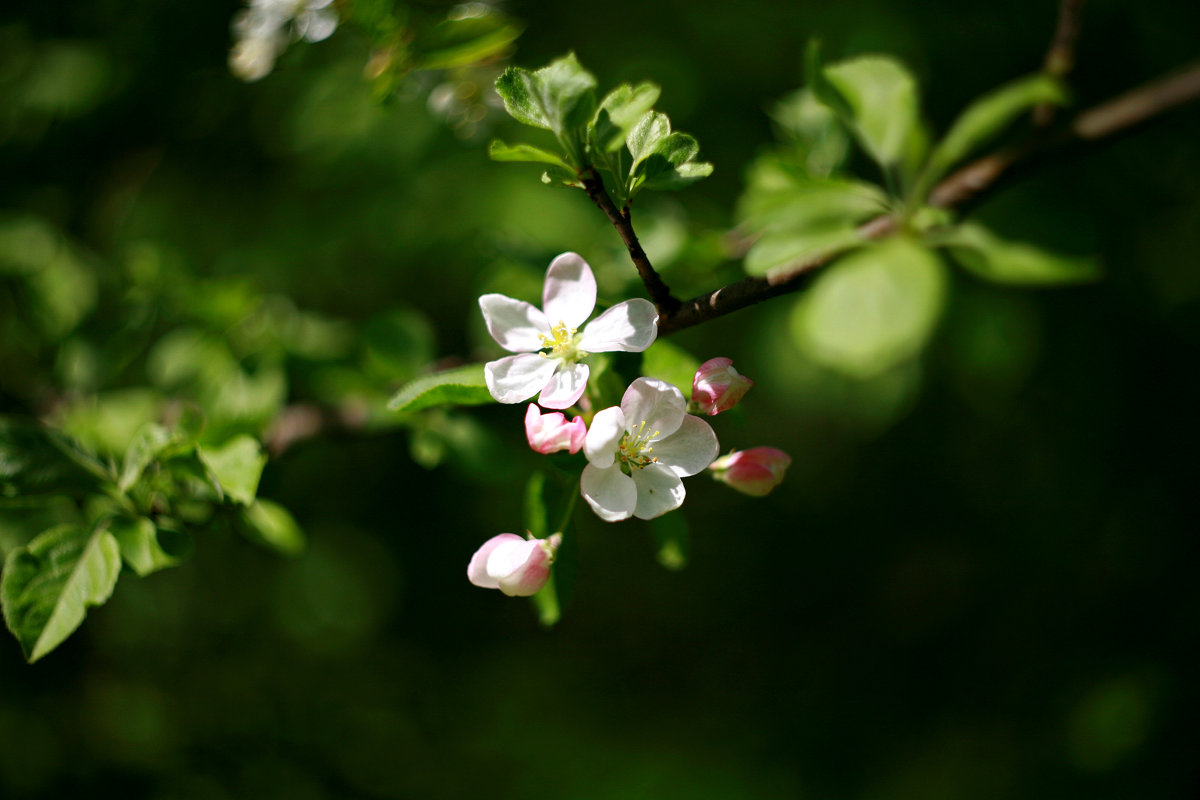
<point x="981" y="587"/>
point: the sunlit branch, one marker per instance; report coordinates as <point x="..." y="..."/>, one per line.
<point x="660" y="293"/>
<point x="969" y="183"/>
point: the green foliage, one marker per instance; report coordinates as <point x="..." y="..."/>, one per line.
<point x="669" y="362"/>
<point x="462" y="386"/>
<point x="49" y="584"/>
<point x="237" y="466"/>
<point x="672" y="534"/>
<point x="872" y="310"/>
<point x="273" y="526"/>
<point x="561" y="98"/>
<point x="992" y="258"/>
<point x="141" y="549"/>
<point x="36" y="462"/>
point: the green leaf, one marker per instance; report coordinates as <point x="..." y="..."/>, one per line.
<point x="558" y="97"/>
<point x="499" y="151"/>
<point x="272" y="525"/>
<point x="146" y="446"/>
<point x="671" y="363"/>
<point x="36" y="461"/>
<point x="140" y="547"/>
<point x="662" y="159"/>
<point x="872" y="310"/>
<point x="237" y="465"/>
<point x="986" y="117"/>
<point x="462" y="386"/>
<point x="777" y="198"/>
<point x="791" y="250"/>
<point x="1001" y="261"/>
<point x="672" y="533"/>
<point x="49" y="584"/>
<point x="876" y="97"/>
<point x="821" y="142"/>
<point x="545" y="602"/>
<point x="465" y="41"/>
<point x="644" y="136"/>
<point x="620" y="110"/>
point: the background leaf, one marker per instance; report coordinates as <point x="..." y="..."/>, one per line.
<point x="273" y="526"/>
<point x="237" y="465"/>
<point x="140" y="548"/>
<point x="992" y="258"/>
<point x="461" y="386"/>
<point x="49" y="584"/>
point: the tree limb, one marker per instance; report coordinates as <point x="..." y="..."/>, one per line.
<point x="1060" y="58"/>
<point x="968" y="183"/>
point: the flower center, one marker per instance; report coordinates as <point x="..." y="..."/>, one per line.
<point x="562" y="344"/>
<point x="635" y="449"/>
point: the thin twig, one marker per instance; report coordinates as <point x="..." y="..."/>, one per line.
<point x="1106" y="120"/>
<point x="660" y="293"/>
<point x="1060" y="57"/>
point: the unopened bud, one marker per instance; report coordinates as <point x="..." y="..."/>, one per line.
<point x="718" y="386"/>
<point x="754" y="472"/>
<point x="518" y="567"/>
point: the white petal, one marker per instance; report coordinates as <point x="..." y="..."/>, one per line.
<point x="513" y="379"/>
<point x="600" y="446"/>
<point x="688" y="450"/>
<point x="610" y="492"/>
<point x="516" y="325"/>
<point x="658" y="491"/>
<point x="316" y="25"/>
<point x="565" y="386"/>
<point x="629" y="326"/>
<point x="477" y="572"/>
<point x="657" y="403"/>
<point x="570" y="291"/>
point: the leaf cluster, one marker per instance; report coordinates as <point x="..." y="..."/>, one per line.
<point x="802" y="207"/>
<point x="620" y="136"/>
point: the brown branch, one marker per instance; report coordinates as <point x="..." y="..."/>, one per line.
<point x="1060" y="58"/>
<point x="660" y="293"/>
<point x="1106" y="120"/>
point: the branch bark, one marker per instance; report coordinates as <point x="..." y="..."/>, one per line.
<point x="967" y="184"/>
<point x="1060" y="58"/>
<point x="660" y="293"/>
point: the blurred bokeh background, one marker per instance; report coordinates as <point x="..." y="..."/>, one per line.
<point x="977" y="580"/>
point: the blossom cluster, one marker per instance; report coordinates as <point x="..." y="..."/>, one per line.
<point x="265" y="27"/>
<point x="637" y="452"/>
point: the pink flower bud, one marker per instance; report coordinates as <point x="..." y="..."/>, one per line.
<point x="718" y="386"/>
<point x="549" y="433"/>
<point x="754" y="472"/>
<point x="518" y="567"/>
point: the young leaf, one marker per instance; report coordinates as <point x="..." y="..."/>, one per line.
<point x="147" y="443"/>
<point x="1001" y="261"/>
<point x="821" y="142"/>
<point x="536" y="520"/>
<point x="518" y="89"/>
<point x="49" y="584"/>
<point x="237" y="465"/>
<point x="558" y="97"/>
<point x="465" y="41"/>
<point x="790" y="250"/>
<point x="619" y="111"/>
<point x="876" y="97"/>
<point x="986" y="117"/>
<point x="872" y="310"/>
<point x="462" y="386"/>
<point x="499" y="151"/>
<point x="672" y="534"/>
<point x="777" y="198"/>
<point x="271" y="524"/>
<point x="644" y="137"/>
<point x="140" y="546"/>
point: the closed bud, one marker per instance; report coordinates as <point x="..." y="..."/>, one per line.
<point x="718" y="386"/>
<point x="518" y="567"/>
<point x="549" y="433"/>
<point x="754" y="472"/>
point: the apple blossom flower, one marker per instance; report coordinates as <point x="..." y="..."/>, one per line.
<point x="518" y="567"/>
<point x="638" y="451"/>
<point x="718" y="386"/>
<point x="754" y="472"/>
<point x="549" y="433"/>
<point x="550" y="344"/>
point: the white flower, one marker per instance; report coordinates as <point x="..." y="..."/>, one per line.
<point x="549" y="342"/>
<point x="638" y="452"/>
<point x="264" y="27"/>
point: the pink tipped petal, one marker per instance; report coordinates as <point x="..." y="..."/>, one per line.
<point x="610" y="492"/>
<point x="659" y="490"/>
<point x="515" y="325"/>
<point x="569" y="294"/>
<point x="600" y="446"/>
<point x="513" y="379"/>
<point x="549" y="433"/>
<point x="628" y="327"/>
<point x="657" y="403"/>
<point x="565" y="386"/>
<point x="577" y="434"/>
<point x="477" y="570"/>
<point x="754" y="472"/>
<point x="690" y="449"/>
